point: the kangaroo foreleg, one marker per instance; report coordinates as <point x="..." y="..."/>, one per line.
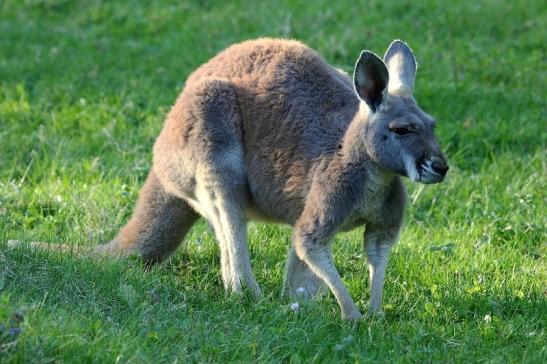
<point x="378" y="244"/>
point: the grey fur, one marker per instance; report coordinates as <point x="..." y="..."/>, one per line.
<point x="370" y="79"/>
<point x="401" y="63"/>
<point x="268" y="130"/>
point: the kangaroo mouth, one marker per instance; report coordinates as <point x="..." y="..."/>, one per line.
<point x="424" y="170"/>
<point x="428" y="174"/>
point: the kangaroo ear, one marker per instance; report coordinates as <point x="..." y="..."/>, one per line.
<point x="370" y="79"/>
<point x="401" y="63"/>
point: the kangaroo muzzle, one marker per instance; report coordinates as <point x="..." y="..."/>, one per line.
<point x="440" y="166"/>
<point x="432" y="169"/>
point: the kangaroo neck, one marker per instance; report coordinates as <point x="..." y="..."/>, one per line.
<point x="355" y="151"/>
<point x="354" y="141"/>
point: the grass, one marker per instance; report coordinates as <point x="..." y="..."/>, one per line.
<point x="84" y="87"/>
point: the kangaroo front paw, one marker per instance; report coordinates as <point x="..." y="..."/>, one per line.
<point x="350" y="312"/>
<point x="375" y="314"/>
<point x="375" y="311"/>
<point x="351" y="316"/>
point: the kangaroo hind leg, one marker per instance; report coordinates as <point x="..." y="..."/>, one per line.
<point x="225" y="204"/>
<point x="210" y="143"/>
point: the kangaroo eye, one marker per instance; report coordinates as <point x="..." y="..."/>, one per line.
<point x="400" y="131"/>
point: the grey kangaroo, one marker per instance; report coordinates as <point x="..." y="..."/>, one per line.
<point x="268" y="130"/>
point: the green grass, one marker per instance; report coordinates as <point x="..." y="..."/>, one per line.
<point x="84" y="87"/>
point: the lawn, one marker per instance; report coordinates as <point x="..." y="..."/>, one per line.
<point x="84" y="89"/>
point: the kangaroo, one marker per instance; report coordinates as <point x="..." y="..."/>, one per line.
<point x="268" y="130"/>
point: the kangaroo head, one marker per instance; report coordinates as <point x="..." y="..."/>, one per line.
<point x="399" y="135"/>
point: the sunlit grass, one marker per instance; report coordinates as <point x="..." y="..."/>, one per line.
<point x="84" y="88"/>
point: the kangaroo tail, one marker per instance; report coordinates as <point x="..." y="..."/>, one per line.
<point x="77" y="250"/>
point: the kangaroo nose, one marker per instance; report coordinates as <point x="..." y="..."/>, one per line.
<point x="440" y="167"/>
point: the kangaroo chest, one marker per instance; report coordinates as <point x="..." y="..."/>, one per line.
<point x="370" y="206"/>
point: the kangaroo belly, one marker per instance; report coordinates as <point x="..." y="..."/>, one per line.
<point x="277" y="190"/>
